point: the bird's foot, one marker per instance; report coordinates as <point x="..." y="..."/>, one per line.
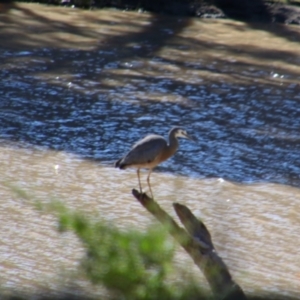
<point x="140" y="194"/>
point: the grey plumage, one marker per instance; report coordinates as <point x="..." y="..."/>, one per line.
<point x="150" y="151"/>
<point x="143" y="152"/>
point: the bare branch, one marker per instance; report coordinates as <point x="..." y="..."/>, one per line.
<point x="198" y="244"/>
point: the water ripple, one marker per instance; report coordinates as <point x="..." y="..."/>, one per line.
<point x="244" y="133"/>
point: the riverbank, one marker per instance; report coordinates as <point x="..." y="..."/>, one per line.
<point x="249" y="10"/>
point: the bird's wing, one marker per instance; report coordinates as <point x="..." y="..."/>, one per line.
<point x="145" y="150"/>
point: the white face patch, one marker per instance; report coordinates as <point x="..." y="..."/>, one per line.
<point x="181" y="133"/>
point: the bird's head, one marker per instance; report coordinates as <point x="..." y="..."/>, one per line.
<point x="179" y="132"/>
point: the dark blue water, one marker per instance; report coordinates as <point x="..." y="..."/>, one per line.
<point x="247" y="132"/>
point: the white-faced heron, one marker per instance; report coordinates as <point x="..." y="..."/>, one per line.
<point x="151" y="151"/>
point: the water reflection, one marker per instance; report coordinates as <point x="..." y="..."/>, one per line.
<point x="246" y="133"/>
<point x="247" y="222"/>
<point x="67" y="113"/>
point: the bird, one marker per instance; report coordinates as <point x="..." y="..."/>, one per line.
<point x="150" y="151"/>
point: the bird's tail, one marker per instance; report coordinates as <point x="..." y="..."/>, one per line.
<point x="118" y="164"/>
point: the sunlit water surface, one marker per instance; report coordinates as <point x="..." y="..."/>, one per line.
<point x="77" y="94"/>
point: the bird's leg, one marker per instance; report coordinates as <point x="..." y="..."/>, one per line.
<point x="148" y="181"/>
<point x="138" y="174"/>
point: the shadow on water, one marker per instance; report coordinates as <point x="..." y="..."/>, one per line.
<point x="262" y="15"/>
<point x="103" y="82"/>
<point x="247" y="126"/>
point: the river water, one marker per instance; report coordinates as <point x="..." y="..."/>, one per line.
<point x="78" y="88"/>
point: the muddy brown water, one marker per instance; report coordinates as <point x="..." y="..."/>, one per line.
<point x="79" y="87"/>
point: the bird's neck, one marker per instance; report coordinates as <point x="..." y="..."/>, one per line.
<point x="170" y="149"/>
<point x="173" y="144"/>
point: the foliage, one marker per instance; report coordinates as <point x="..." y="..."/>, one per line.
<point x="130" y="264"/>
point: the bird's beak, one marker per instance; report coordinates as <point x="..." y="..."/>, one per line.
<point x="190" y="138"/>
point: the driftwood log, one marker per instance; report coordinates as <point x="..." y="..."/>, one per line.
<point x="196" y="241"/>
